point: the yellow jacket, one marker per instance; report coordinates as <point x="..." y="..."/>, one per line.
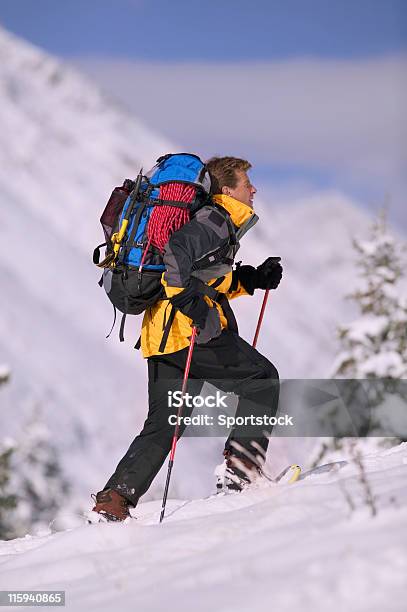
<point x="156" y="316"/>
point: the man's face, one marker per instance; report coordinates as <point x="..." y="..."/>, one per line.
<point x="244" y="190"/>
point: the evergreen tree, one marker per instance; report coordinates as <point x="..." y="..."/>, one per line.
<point x="33" y="488"/>
<point x="374" y="346"/>
<point x="8" y="501"/>
<point x="37" y="477"/>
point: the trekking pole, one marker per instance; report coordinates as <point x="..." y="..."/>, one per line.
<point x="179" y="413"/>
<point x="263" y="308"/>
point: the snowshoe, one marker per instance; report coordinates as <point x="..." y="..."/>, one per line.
<point x="235" y="473"/>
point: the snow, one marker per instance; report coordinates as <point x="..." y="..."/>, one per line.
<point x="284" y="547"/>
<point x="369" y="247"/>
<point x="387" y="364"/>
<point x="368" y="325"/>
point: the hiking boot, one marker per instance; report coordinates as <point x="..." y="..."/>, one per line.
<point x="235" y="473"/>
<point x="111" y="505"/>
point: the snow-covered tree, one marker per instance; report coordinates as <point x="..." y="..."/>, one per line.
<point x="36" y="477"/>
<point x="374" y="346"/>
<point x="33" y="489"/>
<point x="8" y="500"/>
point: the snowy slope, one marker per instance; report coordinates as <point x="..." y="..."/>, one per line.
<point x="279" y="547"/>
<point x="63" y="146"/>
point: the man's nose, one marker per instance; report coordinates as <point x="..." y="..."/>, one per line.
<point x="253" y="189"/>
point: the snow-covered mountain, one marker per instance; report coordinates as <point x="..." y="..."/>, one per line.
<point x="310" y="546"/>
<point x="64" y="145"/>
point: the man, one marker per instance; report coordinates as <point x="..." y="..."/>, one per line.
<point x="219" y="354"/>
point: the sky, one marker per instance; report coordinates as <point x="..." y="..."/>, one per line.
<point x="313" y="93"/>
<point x="217" y="30"/>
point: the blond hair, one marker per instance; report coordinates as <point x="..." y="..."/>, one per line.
<point x="222" y="171"/>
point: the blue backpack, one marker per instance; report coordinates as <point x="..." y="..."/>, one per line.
<point x="132" y="274"/>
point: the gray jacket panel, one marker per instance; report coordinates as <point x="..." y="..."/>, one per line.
<point x="205" y="233"/>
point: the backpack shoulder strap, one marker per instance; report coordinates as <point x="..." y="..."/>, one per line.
<point x="229" y="222"/>
<point x="209" y="203"/>
<point x="222" y="252"/>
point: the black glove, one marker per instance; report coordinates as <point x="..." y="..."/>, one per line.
<point x="192" y="305"/>
<point x="269" y="273"/>
<point x="266" y="276"/>
<point x="205" y="317"/>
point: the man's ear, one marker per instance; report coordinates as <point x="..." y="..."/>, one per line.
<point x="225" y="190"/>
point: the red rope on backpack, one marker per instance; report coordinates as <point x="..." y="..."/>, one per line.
<point x="165" y="220"/>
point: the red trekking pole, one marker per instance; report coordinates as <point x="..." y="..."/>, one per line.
<point x="179" y="413"/>
<point x="263" y="308"/>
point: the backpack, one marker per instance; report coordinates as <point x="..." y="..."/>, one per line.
<point x="133" y="265"/>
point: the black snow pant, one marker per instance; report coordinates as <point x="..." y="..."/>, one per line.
<point x="236" y="366"/>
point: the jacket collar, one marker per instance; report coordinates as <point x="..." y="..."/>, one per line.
<point x="239" y="213"/>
